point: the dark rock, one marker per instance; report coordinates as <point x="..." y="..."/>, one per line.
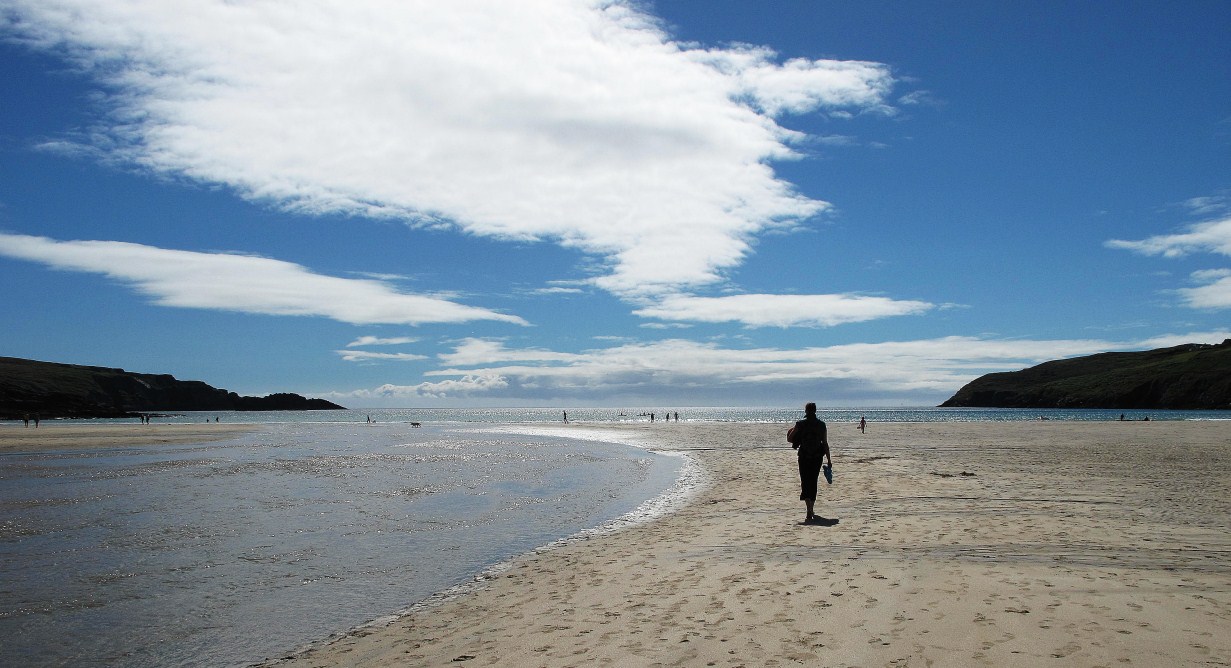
<point x="69" y="390"/>
<point x="1188" y="377"/>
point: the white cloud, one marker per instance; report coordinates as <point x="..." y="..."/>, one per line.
<point x="1209" y="237"/>
<point x="800" y="85"/>
<point x="1210" y="275"/>
<point x="932" y="368"/>
<point x="934" y="364"/>
<point x="781" y="310"/>
<point x="555" y="290"/>
<point x="464" y="386"/>
<point x="377" y="341"/>
<point x="242" y="283"/>
<point x="1214" y="294"/>
<point x="488" y="351"/>
<point x="575" y="121"/>
<point x="367" y="356"/>
<point x="1169" y="340"/>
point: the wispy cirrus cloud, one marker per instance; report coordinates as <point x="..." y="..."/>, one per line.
<point x="369" y="356"/>
<point x="1208" y="237"/>
<point x="242" y="283"/>
<point x="768" y="310"/>
<point x="378" y="341"/>
<point x="472" y="351"/>
<point x="1209" y="206"/>
<point x="577" y="122"/>
<point x="1214" y="285"/>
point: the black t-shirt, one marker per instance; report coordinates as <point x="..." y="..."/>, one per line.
<point x="810" y="437"/>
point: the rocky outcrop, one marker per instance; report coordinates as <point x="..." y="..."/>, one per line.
<point x="282" y="401"/>
<point x="68" y="390"/>
<point x="1188" y="377"/>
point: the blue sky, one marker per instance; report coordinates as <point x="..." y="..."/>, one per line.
<point x="560" y="203"/>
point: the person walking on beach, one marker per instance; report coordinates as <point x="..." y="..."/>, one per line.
<point x="809" y="439"/>
<point x="863" y="424"/>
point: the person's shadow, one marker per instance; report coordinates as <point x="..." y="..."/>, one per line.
<point x="819" y="521"/>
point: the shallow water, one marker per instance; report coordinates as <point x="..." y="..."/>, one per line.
<point x="231" y="552"/>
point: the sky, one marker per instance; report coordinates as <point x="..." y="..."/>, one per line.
<point x="602" y="203"/>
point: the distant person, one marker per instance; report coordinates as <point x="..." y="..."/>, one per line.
<point x="677" y="416"/>
<point x="809" y="439"/>
<point x="25" y="420"/>
<point x="36" y="420"/>
<point x="566" y="416"/>
<point x="863" y="425"/>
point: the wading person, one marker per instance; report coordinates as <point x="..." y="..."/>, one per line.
<point x="808" y="437"/>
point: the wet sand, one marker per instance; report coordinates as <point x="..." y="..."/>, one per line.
<point x="52" y="436"/>
<point x="999" y="544"/>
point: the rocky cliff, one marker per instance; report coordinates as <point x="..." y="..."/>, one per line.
<point x="69" y="390"/>
<point x="1191" y="376"/>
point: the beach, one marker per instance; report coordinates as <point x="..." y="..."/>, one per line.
<point x="955" y="544"/>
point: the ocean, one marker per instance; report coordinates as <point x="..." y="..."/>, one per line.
<point x="172" y="555"/>
<point x="686" y="414"/>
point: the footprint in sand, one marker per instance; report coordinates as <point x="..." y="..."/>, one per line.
<point x="1068" y="649"/>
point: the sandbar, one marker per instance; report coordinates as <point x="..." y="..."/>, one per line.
<point x="50" y="435"/>
<point x="949" y="544"/>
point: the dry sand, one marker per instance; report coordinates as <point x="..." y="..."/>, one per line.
<point x="1012" y="544"/>
<point x="50" y="435"/>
